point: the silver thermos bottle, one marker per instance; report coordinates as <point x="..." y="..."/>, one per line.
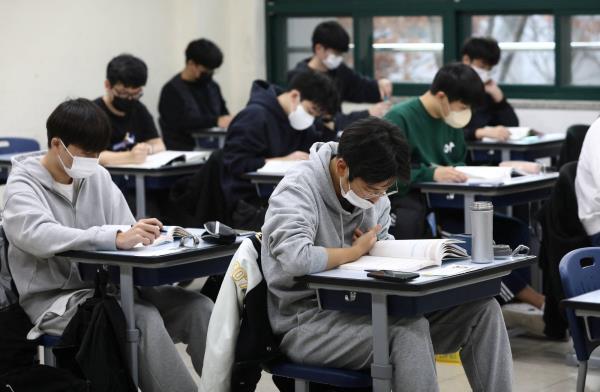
<point x="482" y="217"/>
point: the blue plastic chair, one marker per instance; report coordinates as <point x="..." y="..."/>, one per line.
<point x="303" y="375"/>
<point x="15" y="145"/>
<point x="580" y="274"/>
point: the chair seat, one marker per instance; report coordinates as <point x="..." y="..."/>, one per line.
<point x="322" y="375"/>
<point x="49" y="340"/>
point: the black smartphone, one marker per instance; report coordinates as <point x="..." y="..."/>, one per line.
<point x="392" y="276"/>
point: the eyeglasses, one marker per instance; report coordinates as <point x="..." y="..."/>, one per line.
<point x="394" y="190"/>
<point x="189" y="241"/>
<point x="124" y="95"/>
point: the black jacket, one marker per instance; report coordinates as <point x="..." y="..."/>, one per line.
<point x="188" y="106"/>
<point x="261" y="130"/>
<point x="491" y="113"/>
<point x="351" y="86"/>
<point x="562" y="232"/>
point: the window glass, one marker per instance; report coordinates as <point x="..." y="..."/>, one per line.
<point x="527" y="44"/>
<point x="407" y="49"/>
<point x="585" y="50"/>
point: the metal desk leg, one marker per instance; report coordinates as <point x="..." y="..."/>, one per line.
<point x="468" y="201"/>
<point x="505" y="154"/>
<point x="140" y="197"/>
<point x="221" y="141"/>
<point x="381" y="369"/>
<point x="132" y="334"/>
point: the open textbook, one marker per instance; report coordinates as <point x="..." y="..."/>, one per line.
<point x="516" y="133"/>
<point x="408" y="255"/>
<point x="486" y="174"/>
<point x="172" y="233"/>
<point x="165" y="158"/>
<point x="276" y="167"/>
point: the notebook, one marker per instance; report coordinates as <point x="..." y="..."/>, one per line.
<point x="486" y="174"/>
<point x="172" y="233"/>
<point x="277" y="167"/>
<point x="408" y="255"/>
<point x="166" y="158"/>
<point x="516" y="133"/>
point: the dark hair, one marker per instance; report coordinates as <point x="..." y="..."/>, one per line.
<point x="318" y="88"/>
<point x="375" y="150"/>
<point x="204" y="52"/>
<point x="80" y="122"/>
<point x="127" y="69"/>
<point x="485" y="49"/>
<point x="460" y="83"/>
<point x="331" y="35"/>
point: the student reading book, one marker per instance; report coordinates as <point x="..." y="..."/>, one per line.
<point x="329" y="211"/>
<point x="408" y="255"/>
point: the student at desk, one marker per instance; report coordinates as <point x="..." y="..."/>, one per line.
<point x="133" y="134"/>
<point x="587" y="184"/>
<point x="62" y="200"/>
<point x="329" y="42"/>
<point x="433" y="125"/>
<point x="276" y="125"/>
<point x="491" y="118"/>
<point x="330" y="211"/>
<point x="192" y="100"/>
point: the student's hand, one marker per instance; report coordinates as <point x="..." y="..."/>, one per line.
<point x="295" y="156"/>
<point x="385" y="88"/>
<point x="139" y="152"/>
<point x="448" y="174"/>
<point x="364" y="242"/>
<point x="223" y="121"/>
<point x="357" y="233"/>
<point x="494" y="91"/>
<point x="145" y="231"/>
<point x="380" y="109"/>
<point x="498" y="132"/>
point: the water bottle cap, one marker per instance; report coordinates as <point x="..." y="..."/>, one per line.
<point x="482" y="206"/>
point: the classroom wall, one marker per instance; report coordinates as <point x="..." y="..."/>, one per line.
<point x="53" y="50"/>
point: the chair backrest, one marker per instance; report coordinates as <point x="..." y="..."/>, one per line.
<point x="10" y="145"/>
<point x="571" y="147"/>
<point x="580" y="274"/>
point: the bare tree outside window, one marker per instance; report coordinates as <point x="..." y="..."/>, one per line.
<point x="585" y="50"/>
<point x="407" y="49"/>
<point x="527" y="43"/>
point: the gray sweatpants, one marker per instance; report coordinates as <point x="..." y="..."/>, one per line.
<point x="477" y="329"/>
<point x="164" y="315"/>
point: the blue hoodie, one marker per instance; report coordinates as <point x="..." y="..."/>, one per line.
<point x="260" y="131"/>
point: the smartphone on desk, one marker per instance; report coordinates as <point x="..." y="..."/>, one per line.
<point x="392" y="276"/>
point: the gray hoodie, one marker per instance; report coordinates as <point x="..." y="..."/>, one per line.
<point x="304" y="217"/>
<point x="40" y="222"/>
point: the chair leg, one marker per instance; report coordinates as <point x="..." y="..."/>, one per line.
<point x="301" y="385"/>
<point x="49" y="358"/>
<point x="581" y="374"/>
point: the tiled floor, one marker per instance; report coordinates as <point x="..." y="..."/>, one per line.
<point x="539" y="366"/>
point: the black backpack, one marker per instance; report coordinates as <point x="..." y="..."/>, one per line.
<point x="19" y="369"/>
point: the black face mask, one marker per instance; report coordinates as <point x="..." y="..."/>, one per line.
<point x="123" y="104"/>
<point x="204" y="78"/>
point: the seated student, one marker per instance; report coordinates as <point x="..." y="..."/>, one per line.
<point x="587" y="184"/>
<point x="329" y="42"/>
<point x="491" y="118"/>
<point x="192" y="100"/>
<point x="62" y="200"/>
<point x="330" y="211"/>
<point x="433" y="125"/>
<point x="133" y="134"/>
<point x="276" y="124"/>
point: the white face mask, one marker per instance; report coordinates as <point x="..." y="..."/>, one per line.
<point x="353" y="198"/>
<point x="332" y="61"/>
<point x="457" y="119"/>
<point x="484" y="74"/>
<point x="81" y="167"/>
<point x="300" y="119"/>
